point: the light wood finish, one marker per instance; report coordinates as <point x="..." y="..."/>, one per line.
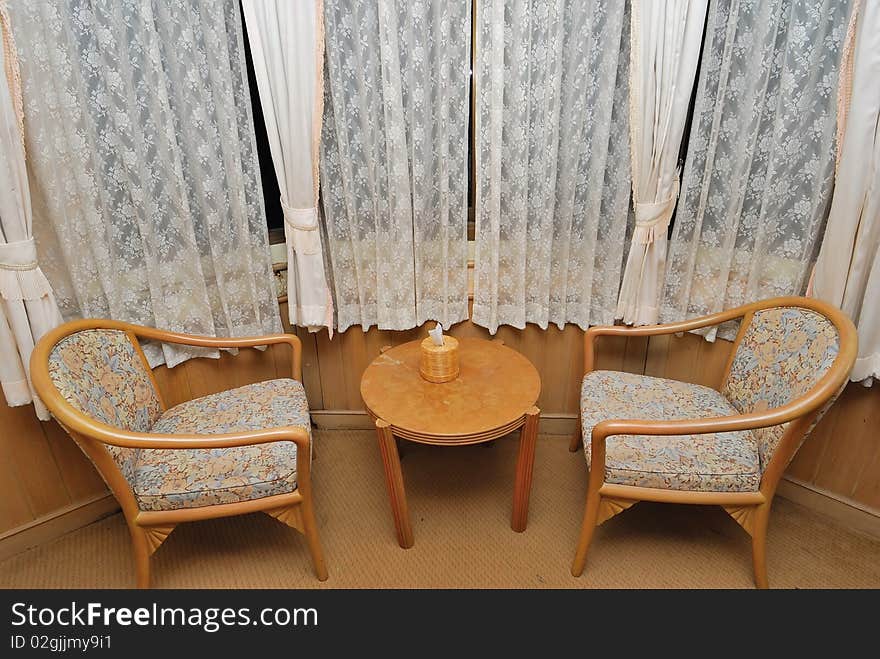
<point x="845" y="512"/>
<point x="605" y="500"/>
<point x="548" y="424"/>
<point x="57" y="523"/>
<point x="525" y="461"/>
<point x="149" y="529"/>
<point x="394" y="484"/>
<point x="490" y="397"/>
<point x="439" y="362"/>
<point x="840" y="458"/>
<point x="494" y="395"/>
<point x="42" y="476"/>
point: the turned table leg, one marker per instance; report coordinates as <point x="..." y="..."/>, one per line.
<point x="394" y="482"/>
<point x="525" y="460"/>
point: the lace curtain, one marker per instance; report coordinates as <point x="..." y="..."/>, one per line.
<point x="552" y="161"/>
<point x="394" y="160"/>
<point x="760" y="160"/>
<point x="143" y="171"/>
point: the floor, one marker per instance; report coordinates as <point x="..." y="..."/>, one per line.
<point x="460" y="502"/>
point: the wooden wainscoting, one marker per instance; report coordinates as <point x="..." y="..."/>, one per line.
<point x="47" y="485"/>
<point x="46" y="482"/>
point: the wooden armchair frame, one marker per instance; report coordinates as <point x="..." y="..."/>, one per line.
<point x="149" y="528"/>
<point x="751" y="510"/>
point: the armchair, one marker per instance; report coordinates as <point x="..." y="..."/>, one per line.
<point x="234" y="452"/>
<point x="654" y="439"/>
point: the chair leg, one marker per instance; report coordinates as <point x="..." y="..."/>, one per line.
<point x="577" y="437"/>
<point x="754" y="520"/>
<point x="141" y="551"/>
<point x="301" y="516"/>
<point x="759" y="545"/>
<point x="591" y="518"/>
<point x="310" y="530"/>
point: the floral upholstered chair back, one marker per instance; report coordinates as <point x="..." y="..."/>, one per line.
<point x="784" y="353"/>
<point x="101" y="374"/>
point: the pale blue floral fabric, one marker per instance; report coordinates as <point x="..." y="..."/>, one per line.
<point x="101" y="374"/>
<point x="717" y="462"/>
<point x="167" y="479"/>
<point x="783" y="354"/>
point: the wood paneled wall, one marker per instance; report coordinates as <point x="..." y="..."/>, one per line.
<point x="42" y="472"/>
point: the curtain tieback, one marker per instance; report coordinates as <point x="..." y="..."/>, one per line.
<point x="653" y="217"/>
<point x="20" y="255"/>
<point x="303" y="224"/>
<point x="20" y="275"/>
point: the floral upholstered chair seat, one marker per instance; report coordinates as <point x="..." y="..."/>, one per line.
<point x="167" y="479"/>
<point x="726" y="462"/>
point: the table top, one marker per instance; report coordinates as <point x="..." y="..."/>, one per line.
<point x="489" y="398"/>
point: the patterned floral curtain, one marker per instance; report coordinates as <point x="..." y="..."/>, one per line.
<point x="142" y="165"/>
<point x="760" y="161"/>
<point x="552" y="159"/>
<point x="394" y="160"/>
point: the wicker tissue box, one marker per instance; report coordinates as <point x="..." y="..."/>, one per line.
<point x="439" y="363"/>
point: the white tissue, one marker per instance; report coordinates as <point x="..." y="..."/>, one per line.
<point x="437" y="334"/>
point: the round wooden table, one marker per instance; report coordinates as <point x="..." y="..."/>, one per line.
<point x="494" y="395"/>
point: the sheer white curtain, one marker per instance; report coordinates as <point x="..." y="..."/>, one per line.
<point x="143" y="171"/>
<point x="848" y="269"/>
<point x="760" y="161"/>
<point x="394" y="160"/>
<point x="665" y="46"/>
<point x="287" y="46"/>
<point x="552" y="161"/>
<point x="27" y="305"/>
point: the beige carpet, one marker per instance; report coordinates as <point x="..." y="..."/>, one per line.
<point x="460" y="504"/>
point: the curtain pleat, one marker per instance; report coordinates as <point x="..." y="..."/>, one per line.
<point x="760" y="159"/>
<point x="848" y="268"/>
<point x="666" y="39"/>
<point x="394" y="156"/>
<point x="143" y="171"/>
<point x="552" y="161"/>
<point x="287" y="46"/>
<point x="27" y="304"/>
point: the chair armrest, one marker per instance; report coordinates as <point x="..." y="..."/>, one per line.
<point x="807" y="404"/>
<point x="72" y="421"/>
<point x="85" y="426"/>
<point x="40" y="355"/>
<point x="116" y="437"/>
<point x="843" y="324"/>
<point x="222" y="342"/>
<point x="653" y="330"/>
<point x="296" y="434"/>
